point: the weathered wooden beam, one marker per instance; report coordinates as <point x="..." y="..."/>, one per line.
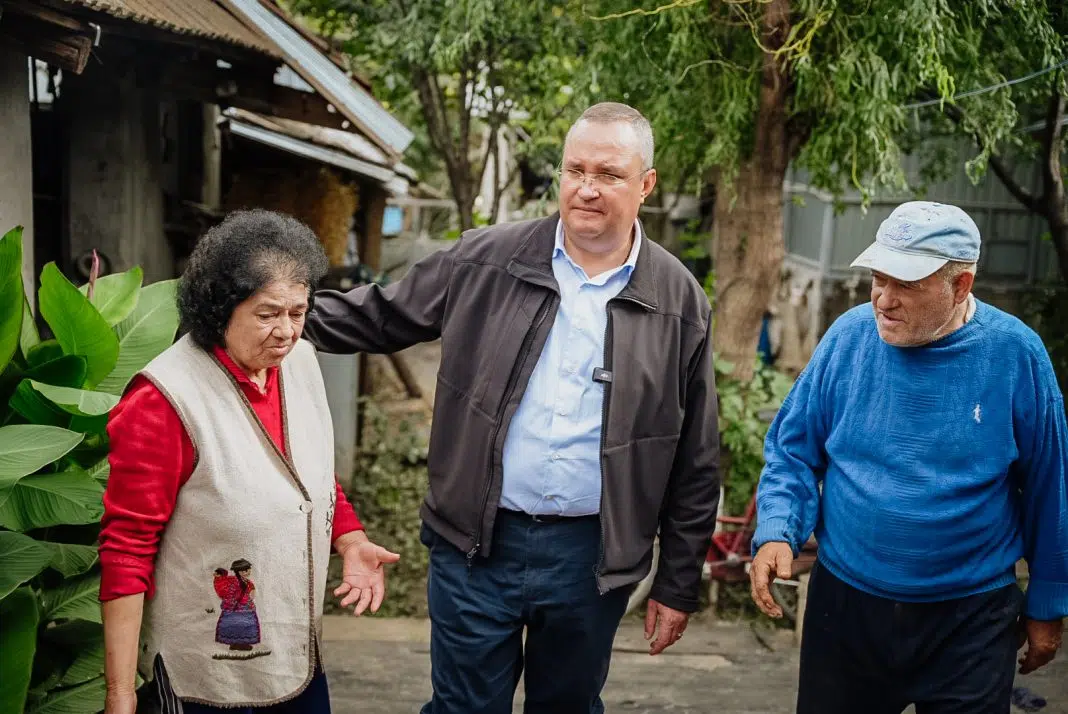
<point x="249" y="90"/>
<point x="60" y="40"/>
<point x="373" y="197"/>
<point x="45" y="14"/>
<point x="411" y="385"/>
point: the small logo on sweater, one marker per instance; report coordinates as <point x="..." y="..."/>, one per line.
<point x="977" y="414"/>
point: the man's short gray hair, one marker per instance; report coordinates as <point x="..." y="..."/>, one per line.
<point x="612" y="112"/>
<point x="954" y="269"/>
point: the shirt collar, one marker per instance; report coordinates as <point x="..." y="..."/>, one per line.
<point x="239" y="374"/>
<point x="632" y="259"/>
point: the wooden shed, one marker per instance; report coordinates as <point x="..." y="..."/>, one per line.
<point x="120" y="137"/>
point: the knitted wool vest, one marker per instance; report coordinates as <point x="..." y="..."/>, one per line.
<point x="241" y="569"/>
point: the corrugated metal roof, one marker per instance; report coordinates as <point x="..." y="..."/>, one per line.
<point x="330" y="146"/>
<point x="201" y="18"/>
<point x="354" y="102"/>
<point x="347" y="141"/>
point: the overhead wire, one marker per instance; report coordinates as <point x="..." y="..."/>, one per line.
<point x="991" y="88"/>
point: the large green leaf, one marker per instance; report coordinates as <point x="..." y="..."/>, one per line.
<point x="18" y="642"/>
<point x="29" y="338"/>
<point x="89" y="664"/>
<point x="25" y="448"/>
<point x="86" y="698"/>
<point x="21" y="558"/>
<point x="81" y="402"/>
<point x="89" y="425"/>
<point x="43" y="352"/>
<point x="11" y="295"/>
<point x="74" y="600"/>
<point x="66" y="371"/>
<point x="35" y="409"/>
<point x="71" y="560"/>
<point x="148" y="330"/>
<point x="78" y="327"/>
<point x="67" y="498"/>
<point x="73" y="635"/>
<point x="100" y="471"/>
<point x="115" y="296"/>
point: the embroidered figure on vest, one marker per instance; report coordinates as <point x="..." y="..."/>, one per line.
<point x="330" y="514"/>
<point x="239" y="625"/>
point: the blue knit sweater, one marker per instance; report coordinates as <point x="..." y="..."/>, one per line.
<point x="927" y="472"/>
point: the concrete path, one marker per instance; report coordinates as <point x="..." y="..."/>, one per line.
<point x="379" y="666"/>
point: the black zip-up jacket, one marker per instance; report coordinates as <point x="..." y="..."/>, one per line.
<point x="492" y="299"/>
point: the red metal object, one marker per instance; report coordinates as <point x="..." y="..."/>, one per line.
<point x="729" y="550"/>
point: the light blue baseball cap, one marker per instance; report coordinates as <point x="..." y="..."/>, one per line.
<point x="918" y="238"/>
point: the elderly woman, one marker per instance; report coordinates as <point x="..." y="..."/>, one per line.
<point x="222" y="504"/>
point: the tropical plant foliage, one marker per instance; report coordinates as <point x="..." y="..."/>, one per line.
<point x="55" y="395"/>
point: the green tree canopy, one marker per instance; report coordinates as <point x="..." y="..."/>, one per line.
<point x="738" y="90"/>
<point x="460" y="67"/>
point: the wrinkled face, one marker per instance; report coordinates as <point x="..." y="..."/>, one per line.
<point x="913" y="314"/>
<point x="602" y="184"/>
<point x="266" y="326"/>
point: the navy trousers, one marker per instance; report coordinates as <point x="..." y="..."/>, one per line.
<point x="862" y="653"/>
<point x="538" y="580"/>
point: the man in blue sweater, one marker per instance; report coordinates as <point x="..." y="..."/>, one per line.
<point x="925" y="445"/>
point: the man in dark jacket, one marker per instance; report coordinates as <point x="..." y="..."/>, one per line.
<point x="574" y="421"/>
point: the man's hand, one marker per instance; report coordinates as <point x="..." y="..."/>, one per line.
<point x="1043" y="641"/>
<point x="672" y="623"/>
<point x="772" y="560"/>
<point x="363" y="579"/>
<point x="120" y="701"/>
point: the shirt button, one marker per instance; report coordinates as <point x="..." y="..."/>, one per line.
<point x="306" y="507"/>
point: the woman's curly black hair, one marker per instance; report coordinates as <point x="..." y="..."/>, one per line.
<point x="243" y="254"/>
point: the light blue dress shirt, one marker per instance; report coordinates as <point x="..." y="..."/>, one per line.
<point x="552" y="451"/>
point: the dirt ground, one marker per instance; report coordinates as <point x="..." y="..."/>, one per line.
<point x="381" y="666"/>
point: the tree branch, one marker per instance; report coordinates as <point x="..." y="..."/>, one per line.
<point x="435" y="121"/>
<point x="442" y="109"/>
<point x="467" y="87"/>
<point x="1052" y="181"/>
<point x="999" y="168"/>
<point x="498" y="191"/>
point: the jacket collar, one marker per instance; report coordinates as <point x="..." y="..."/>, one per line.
<point x="532" y="262"/>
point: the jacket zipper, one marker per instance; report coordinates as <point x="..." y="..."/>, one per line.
<point x="604" y="417"/>
<point x="513" y="378"/>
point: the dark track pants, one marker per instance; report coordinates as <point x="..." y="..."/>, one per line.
<point x="861" y="653"/>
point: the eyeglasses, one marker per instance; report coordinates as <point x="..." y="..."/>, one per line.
<point x="600" y="180"/>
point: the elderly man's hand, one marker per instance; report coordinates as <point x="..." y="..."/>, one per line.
<point x="772" y="560"/>
<point x="363" y="579"/>
<point x="664" y="622"/>
<point x="1043" y="641"/>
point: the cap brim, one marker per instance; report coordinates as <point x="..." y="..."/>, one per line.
<point x="906" y="267"/>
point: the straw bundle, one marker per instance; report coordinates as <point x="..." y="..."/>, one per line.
<point x="317" y="197"/>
